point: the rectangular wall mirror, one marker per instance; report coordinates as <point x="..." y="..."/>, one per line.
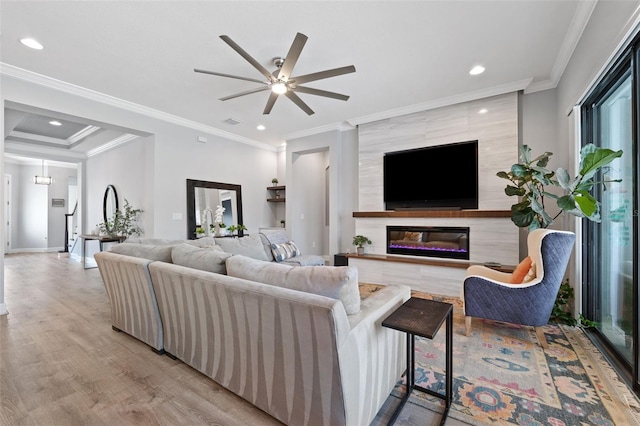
<point x="203" y="198"/>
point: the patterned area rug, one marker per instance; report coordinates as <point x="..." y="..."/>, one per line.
<point x="503" y="376"/>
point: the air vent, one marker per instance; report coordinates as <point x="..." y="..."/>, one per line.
<point x="232" y="121"/>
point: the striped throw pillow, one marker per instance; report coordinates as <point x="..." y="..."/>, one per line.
<point x="284" y="251"/>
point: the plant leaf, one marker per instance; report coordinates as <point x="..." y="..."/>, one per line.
<point x="594" y="159"/>
<point x="564" y="180"/>
<point x="586" y="203"/>
<point x="522" y="217"/>
<point x="519" y="170"/>
<point x="525" y="154"/>
<point x="502" y="175"/>
<point x="566" y="203"/>
<point x="511" y="190"/>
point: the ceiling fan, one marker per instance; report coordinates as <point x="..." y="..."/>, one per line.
<point x="280" y="81"/>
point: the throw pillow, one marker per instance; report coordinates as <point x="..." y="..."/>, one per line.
<point x="203" y="258"/>
<point x="531" y="274"/>
<point x="517" y="277"/>
<point x="336" y="282"/>
<point x="161" y="253"/>
<point x="284" y="251"/>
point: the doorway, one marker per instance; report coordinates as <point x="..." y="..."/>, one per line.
<point x="610" y="252"/>
<point x="7" y="213"/>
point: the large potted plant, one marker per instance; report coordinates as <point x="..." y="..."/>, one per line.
<point x="530" y="180"/>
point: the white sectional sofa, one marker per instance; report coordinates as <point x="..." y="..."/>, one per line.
<point x="295" y="341"/>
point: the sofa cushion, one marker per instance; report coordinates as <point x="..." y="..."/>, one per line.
<point x="210" y="259"/>
<point x="284" y="251"/>
<point x="304" y="260"/>
<point x="250" y="246"/>
<point x="151" y="241"/>
<point x="337" y="282"/>
<point x="161" y="253"/>
<point x="202" y="242"/>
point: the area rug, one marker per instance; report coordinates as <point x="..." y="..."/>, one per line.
<point x="503" y="376"/>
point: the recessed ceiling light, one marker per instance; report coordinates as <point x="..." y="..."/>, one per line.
<point x="260" y="127"/>
<point x="32" y="43"/>
<point x="478" y="69"/>
<point x="55" y="123"/>
<point x="283" y="144"/>
<point x="483" y="111"/>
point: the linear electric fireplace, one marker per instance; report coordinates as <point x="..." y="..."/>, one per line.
<point x="432" y="241"/>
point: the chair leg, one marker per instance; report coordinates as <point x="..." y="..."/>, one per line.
<point x="541" y="338"/>
<point x="467" y="326"/>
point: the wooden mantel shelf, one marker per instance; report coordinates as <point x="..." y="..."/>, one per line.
<point x="450" y="263"/>
<point x="435" y="213"/>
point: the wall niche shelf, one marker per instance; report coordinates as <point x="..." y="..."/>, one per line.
<point x="274" y="194"/>
<point x="434" y="213"/>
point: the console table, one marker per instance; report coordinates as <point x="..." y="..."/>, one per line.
<point x="101" y="239"/>
<point x="424" y="317"/>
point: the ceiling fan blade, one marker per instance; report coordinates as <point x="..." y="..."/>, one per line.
<point x="230" y="76"/>
<point x="272" y="100"/>
<point x="323" y="74"/>
<point x="248" y="57"/>
<point x="296" y="100"/>
<point x="319" y="92"/>
<point x="292" y="57"/>
<point x="246" y="92"/>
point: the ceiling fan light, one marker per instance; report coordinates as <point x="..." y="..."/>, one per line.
<point x="279" y="87"/>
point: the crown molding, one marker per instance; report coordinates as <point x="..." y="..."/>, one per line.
<point x="438" y="103"/>
<point x="18" y="148"/>
<point x="539" y="86"/>
<point x="340" y="127"/>
<point x="111" y="144"/>
<point x="572" y="38"/>
<point x="38" y="138"/>
<point x="82" y="134"/>
<point x="52" y="83"/>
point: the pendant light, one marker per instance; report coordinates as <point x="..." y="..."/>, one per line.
<point x="43" y="180"/>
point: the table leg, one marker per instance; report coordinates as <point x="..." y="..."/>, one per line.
<point x="409" y="377"/>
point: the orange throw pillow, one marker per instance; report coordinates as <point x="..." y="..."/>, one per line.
<point x="517" y="277"/>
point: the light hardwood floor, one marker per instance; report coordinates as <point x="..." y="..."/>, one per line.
<point x="62" y="364"/>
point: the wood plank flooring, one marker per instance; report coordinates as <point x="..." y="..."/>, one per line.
<point x="62" y="364"/>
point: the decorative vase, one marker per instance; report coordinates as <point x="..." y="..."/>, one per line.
<point x="216" y="230"/>
<point x="360" y="251"/>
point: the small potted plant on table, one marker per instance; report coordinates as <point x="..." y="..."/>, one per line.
<point x="359" y="241"/>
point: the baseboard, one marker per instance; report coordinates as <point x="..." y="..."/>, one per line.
<point x="35" y="250"/>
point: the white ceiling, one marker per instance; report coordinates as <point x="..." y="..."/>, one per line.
<point x="408" y="55"/>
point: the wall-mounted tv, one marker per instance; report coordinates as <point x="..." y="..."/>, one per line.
<point x="433" y="177"/>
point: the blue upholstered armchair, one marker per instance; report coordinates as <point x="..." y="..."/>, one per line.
<point x="489" y="294"/>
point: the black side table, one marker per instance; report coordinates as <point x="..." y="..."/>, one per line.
<point x="423" y="317"/>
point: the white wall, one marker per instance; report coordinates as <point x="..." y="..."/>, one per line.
<point x="173" y="157"/>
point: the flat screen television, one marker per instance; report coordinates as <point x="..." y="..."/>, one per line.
<point x="433" y="177"/>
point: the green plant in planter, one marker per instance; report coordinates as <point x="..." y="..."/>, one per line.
<point x="123" y="223"/>
<point x="361" y="240"/>
<point x="234" y="228"/>
<point x="530" y="179"/>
